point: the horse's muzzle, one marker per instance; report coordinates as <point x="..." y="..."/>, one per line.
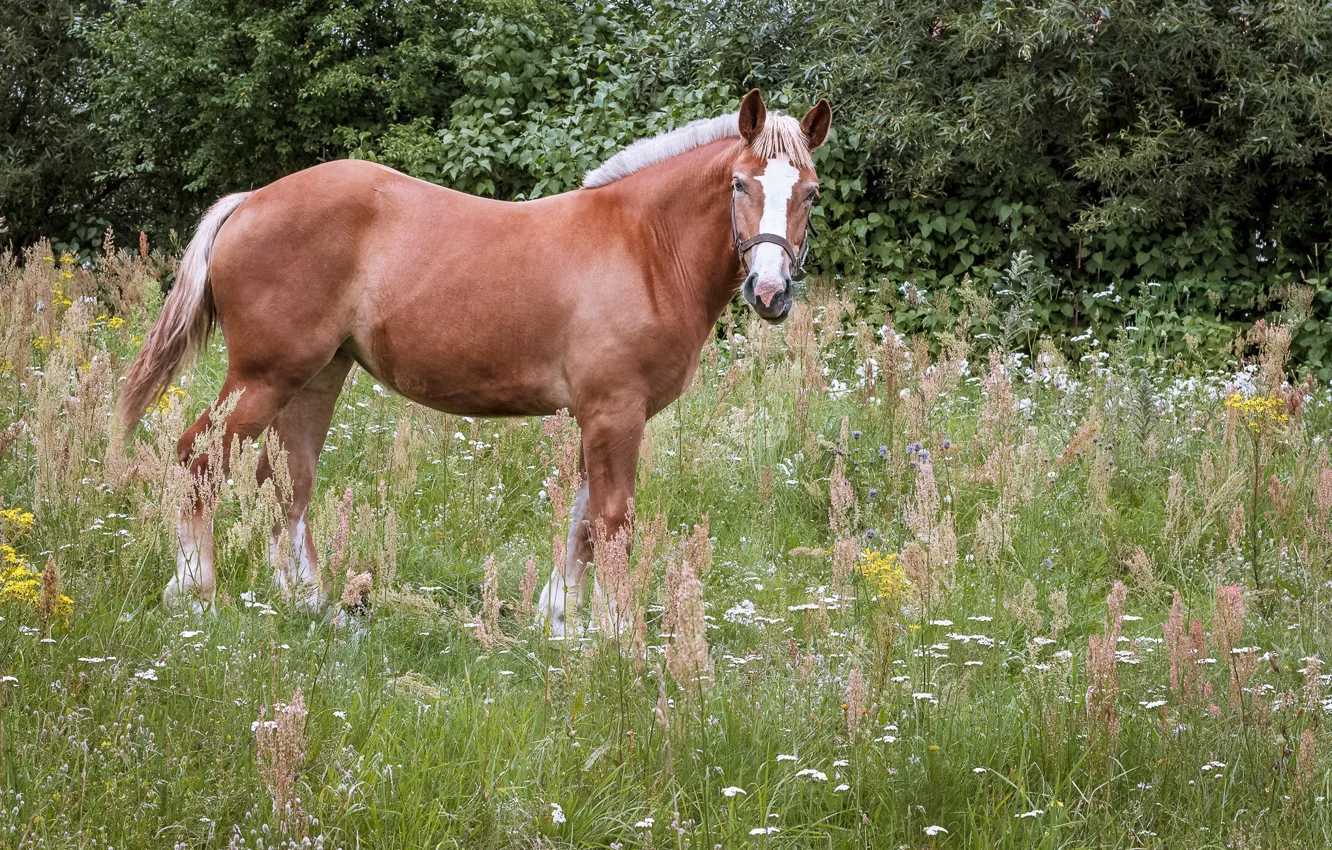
<point x="772" y="306"/>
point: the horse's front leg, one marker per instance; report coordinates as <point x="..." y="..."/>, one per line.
<point x="611" y="438"/>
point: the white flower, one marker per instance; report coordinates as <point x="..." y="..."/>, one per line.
<point x="841" y="763"/>
<point x="842" y="787"/>
<point x="978" y="770"/>
<point x="190" y="633"/>
<point x="935" y="830"/>
<point x="1156" y="703"/>
<point x="148" y="675"/>
<point x="732" y="790"/>
<point x="785" y="757"/>
<point x="764" y="830"/>
<point x="556" y="813"/>
<point x="1034" y="813"/>
<point x="817" y="775"/>
<point x="8" y="678"/>
<point x="645" y="823"/>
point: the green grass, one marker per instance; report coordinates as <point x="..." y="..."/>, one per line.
<point x="132" y="726"/>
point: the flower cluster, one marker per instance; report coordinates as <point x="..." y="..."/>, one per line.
<point x="1258" y="412"/>
<point x="14" y="520"/>
<point x="883" y="574"/>
<point x="18" y="582"/>
<point x="167" y="400"/>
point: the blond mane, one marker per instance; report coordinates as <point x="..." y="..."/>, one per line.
<point x="781" y="136"/>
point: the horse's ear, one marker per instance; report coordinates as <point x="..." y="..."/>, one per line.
<point x="752" y="115"/>
<point x="816" y="123"/>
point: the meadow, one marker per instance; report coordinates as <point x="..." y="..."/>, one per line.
<point x="951" y="592"/>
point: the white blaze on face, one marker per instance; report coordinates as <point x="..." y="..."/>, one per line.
<point x="767" y="260"/>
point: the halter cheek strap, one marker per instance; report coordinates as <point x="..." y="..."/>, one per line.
<point x="742" y="246"/>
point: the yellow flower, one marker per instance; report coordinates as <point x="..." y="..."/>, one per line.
<point x="16" y="520"/>
<point x="18" y="583"/>
<point x="115" y="323"/>
<point x="883" y="574"/>
<point x="166" y="400"/>
<point x="1258" y="412"/>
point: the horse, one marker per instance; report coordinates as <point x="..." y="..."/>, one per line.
<point x="598" y="301"/>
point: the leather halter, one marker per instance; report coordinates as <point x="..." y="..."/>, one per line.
<point x="742" y="246"/>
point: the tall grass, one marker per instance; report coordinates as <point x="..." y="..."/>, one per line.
<point x="951" y="597"/>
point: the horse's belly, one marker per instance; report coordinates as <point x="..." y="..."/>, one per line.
<point x="466" y="370"/>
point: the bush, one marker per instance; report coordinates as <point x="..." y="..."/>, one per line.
<point x="1165" y="162"/>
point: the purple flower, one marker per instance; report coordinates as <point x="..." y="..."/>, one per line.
<point x="883" y="452"/>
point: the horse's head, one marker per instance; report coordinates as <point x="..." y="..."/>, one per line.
<point x="773" y="188"/>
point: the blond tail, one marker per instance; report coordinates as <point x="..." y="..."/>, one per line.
<point x="185" y="322"/>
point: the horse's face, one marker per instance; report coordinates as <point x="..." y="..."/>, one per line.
<point x="772" y="196"/>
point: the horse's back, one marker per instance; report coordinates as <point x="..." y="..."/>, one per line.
<point x="434" y="291"/>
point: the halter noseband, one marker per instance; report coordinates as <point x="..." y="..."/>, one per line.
<point x="742" y="246"/>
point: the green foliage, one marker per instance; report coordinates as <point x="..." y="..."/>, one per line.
<point x="1175" y="151"/>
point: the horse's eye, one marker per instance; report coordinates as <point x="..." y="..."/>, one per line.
<point x="737" y="186"/>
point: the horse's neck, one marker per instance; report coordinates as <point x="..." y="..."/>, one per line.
<point x="683" y="206"/>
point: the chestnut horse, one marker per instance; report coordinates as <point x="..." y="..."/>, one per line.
<point x="598" y="300"/>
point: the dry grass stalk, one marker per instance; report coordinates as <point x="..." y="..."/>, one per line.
<point x="1102" y="667"/>
<point x="526" y="591"/>
<point x="687" y="656"/>
<point x="856" y="696"/>
<point x="487" y="620"/>
<point x="280" y="746"/>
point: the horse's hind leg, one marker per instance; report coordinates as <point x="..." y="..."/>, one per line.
<point x="195" y="584"/>
<point x="301" y="428"/>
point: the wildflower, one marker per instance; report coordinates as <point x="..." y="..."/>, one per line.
<point x="18" y="582"/>
<point x="732" y="790"/>
<point x="167" y="400"/>
<point x="16" y="521"/>
<point x="816" y="775"/>
<point x="1034" y="813"/>
<point x="883" y="574"/>
<point x="764" y="830"/>
<point x="556" y="813"/>
<point x="934" y="830"/>
<point x="149" y="675"/>
<point x="883" y="452"/>
<point x="1260" y="412"/>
